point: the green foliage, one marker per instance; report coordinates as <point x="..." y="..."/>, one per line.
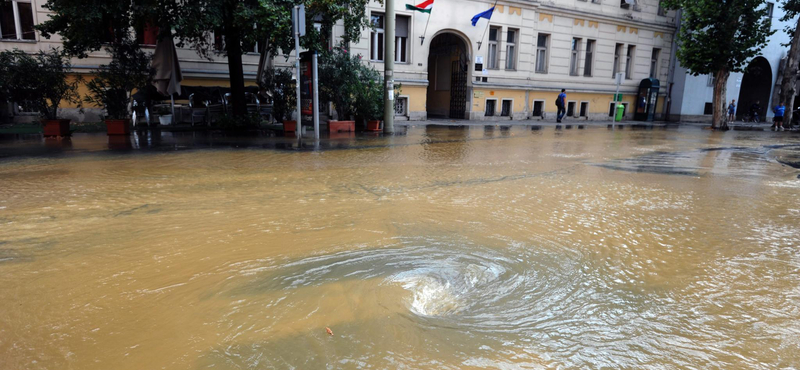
<point x="86" y="25"/>
<point x="791" y="9"/>
<point x="344" y="80"/>
<point x="281" y="87"/>
<point x="113" y="85"/>
<point x="6" y="73"/>
<point x="719" y="35"/>
<point x="369" y="95"/>
<point x="39" y="80"/>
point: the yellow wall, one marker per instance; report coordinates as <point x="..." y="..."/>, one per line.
<point x="479" y="97"/>
<point x="598" y="103"/>
<point x="84" y="91"/>
<point x="416" y="97"/>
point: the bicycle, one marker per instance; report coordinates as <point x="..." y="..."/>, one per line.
<point x="754" y="118"/>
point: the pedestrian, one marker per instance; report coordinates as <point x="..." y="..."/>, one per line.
<point x="754" y="110"/>
<point x="732" y="111"/>
<point x="778" y="119"/>
<point x="560" y="104"/>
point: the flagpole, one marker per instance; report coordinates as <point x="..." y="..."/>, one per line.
<point x="487" y="26"/>
<point x="422" y="38"/>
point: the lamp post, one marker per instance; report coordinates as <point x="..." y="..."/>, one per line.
<point x="388" y="70"/>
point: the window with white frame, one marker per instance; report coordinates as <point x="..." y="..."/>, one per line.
<point x="505" y="108"/>
<point x="584" y="111"/>
<point x="629" y="59"/>
<point x="617" y="60"/>
<point x="494" y="55"/>
<point x="654" y="63"/>
<point x="376" y="37"/>
<point x="401" y="38"/>
<point x="538" y="108"/>
<point x="511" y="49"/>
<point x="542" y="43"/>
<point x="400" y="106"/>
<point x="574" y="59"/>
<point x="587" y="67"/>
<point x="16" y="20"/>
<point x="770" y="9"/>
<point x="490" y="107"/>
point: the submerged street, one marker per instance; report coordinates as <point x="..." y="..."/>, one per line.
<point x="442" y="247"/>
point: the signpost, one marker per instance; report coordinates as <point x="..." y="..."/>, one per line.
<point x="299" y="28"/>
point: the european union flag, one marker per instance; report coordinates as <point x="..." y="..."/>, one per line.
<point x="487" y="14"/>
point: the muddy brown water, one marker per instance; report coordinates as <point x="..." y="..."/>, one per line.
<point x="445" y="248"/>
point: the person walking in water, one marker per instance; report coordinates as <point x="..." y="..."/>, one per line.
<point x="732" y="111"/>
<point x="560" y="103"/>
<point x="777" y="121"/>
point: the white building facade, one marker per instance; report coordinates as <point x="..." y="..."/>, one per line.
<point x="692" y="96"/>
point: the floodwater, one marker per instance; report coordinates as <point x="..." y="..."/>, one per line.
<point x="445" y="248"/>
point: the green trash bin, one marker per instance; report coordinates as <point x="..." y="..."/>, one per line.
<point x="620" y="113"/>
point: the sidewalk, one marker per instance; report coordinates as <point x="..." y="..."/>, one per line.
<point x="581" y="123"/>
<point x="531" y="122"/>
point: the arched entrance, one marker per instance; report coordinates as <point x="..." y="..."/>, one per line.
<point x="448" y="77"/>
<point x="756" y="86"/>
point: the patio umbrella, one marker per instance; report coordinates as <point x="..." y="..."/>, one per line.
<point x="168" y="70"/>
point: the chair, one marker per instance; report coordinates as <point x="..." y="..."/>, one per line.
<point x="199" y="110"/>
<point x="140" y="111"/>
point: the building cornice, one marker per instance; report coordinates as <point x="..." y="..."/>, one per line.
<point x="665" y="27"/>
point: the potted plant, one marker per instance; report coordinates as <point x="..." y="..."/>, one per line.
<point x="164" y="115"/>
<point x="114" y="83"/>
<point x="279" y="85"/>
<point x="340" y="82"/>
<point x="41" y="81"/>
<point x="369" y="99"/>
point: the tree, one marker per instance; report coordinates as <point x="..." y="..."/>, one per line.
<point x="269" y="22"/>
<point x="87" y="25"/>
<point x="39" y="81"/>
<point x="112" y="87"/>
<point x="791" y="8"/>
<point x="719" y="37"/>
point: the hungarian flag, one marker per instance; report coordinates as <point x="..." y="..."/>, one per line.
<point x="424" y="6"/>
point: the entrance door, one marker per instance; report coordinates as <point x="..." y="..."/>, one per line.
<point x="448" y="93"/>
<point x="458" y="91"/>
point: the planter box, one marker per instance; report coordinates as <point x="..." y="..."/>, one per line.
<point x="373" y="125"/>
<point x="338" y="126"/>
<point x="56" y="127"/>
<point x="289" y="126"/>
<point x="118" y="126"/>
<point x="165" y="120"/>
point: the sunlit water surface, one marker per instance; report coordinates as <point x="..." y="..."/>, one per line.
<point x="445" y="248"/>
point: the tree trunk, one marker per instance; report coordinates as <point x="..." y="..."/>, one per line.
<point x="719" y="119"/>
<point x="790" y="77"/>
<point x="235" y="70"/>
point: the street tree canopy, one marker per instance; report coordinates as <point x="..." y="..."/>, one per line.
<point x="86" y="26"/>
<point x="718" y="37"/>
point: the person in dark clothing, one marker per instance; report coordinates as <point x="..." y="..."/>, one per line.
<point x="560" y="103"/>
<point x="754" y="109"/>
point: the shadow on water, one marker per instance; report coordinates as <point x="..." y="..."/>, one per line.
<point x="691" y="162"/>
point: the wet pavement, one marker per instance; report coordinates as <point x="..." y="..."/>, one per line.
<point x="483" y="246"/>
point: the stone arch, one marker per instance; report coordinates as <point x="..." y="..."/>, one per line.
<point x="756" y="87"/>
<point x="449" y="92"/>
